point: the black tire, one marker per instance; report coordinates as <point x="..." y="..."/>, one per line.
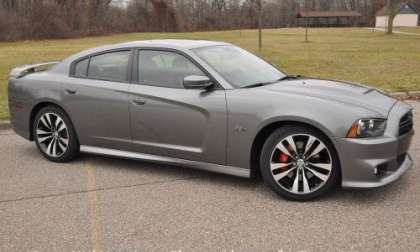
<point x="269" y="150"/>
<point x="70" y="137"/>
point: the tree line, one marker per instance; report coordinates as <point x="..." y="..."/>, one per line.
<point x="39" y="19"/>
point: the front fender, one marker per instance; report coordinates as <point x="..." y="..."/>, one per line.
<point x="251" y="112"/>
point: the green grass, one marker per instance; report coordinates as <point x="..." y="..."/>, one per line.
<point x="409" y="29"/>
<point x="391" y="63"/>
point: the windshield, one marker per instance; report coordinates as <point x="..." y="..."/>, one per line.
<point x="237" y="66"/>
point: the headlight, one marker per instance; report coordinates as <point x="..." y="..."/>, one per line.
<point x="367" y="128"/>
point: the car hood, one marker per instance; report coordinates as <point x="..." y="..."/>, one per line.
<point x="339" y="91"/>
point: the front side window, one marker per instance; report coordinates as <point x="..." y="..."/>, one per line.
<point x="111" y="66"/>
<point x="237" y="66"/>
<point x="165" y="69"/>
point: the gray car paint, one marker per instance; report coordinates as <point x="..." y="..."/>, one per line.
<point x="99" y="111"/>
<point x="215" y="127"/>
<point x="179" y="123"/>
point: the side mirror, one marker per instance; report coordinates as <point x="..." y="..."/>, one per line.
<point x="197" y="82"/>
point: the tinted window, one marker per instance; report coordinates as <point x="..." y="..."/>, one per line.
<point x="165" y="69"/>
<point x="80" y="68"/>
<point x="109" y="66"/>
<point x="238" y="66"/>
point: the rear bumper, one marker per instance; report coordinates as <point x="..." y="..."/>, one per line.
<point x="375" y="162"/>
<point x="19" y="110"/>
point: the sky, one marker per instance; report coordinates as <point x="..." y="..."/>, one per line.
<point x="121" y="3"/>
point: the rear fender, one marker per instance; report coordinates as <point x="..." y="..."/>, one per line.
<point x="21" y="71"/>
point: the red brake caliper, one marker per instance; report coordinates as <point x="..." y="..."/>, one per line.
<point x="284" y="158"/>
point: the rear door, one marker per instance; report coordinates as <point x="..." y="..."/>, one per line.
<point x="168" y="120"/>
<point x="96" y="97"/>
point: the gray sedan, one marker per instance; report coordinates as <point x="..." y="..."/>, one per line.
<point x="213" y="106"/>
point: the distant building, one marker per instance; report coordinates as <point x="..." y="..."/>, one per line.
<point x="327" y="18"/>
<point x="407" y="16"/>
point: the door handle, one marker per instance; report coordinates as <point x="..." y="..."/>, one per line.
<point x="139" y="102"/>
<point x="71" y="91"/>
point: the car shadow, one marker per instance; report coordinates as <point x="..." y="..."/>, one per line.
<point x="168" y="170"/>
<point x="255" y="185"/>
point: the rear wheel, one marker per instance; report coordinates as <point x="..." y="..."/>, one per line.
<point x="54" y="135"/>
<point x="299" y="163"/>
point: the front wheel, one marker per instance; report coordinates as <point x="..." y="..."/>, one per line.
<point x="299" y="163"/>
<point x="54" y="135"/>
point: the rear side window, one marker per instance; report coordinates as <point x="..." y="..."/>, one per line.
<point x="81" y="67"/>
<point x="165" y="69"/>
<point x="111" y="66"/>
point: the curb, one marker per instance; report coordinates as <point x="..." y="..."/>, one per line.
<point x="410" y="95"/>
<point x="5" y="125"/>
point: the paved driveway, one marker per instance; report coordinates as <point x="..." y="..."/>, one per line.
<point x="99" y="203"/>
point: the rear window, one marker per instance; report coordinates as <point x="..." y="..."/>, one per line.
<point x="111" y="66"/>
<point x="81" y="67"/>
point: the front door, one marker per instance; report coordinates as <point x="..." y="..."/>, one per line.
<point x="168" y="120"/>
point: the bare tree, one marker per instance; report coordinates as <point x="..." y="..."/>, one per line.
<point x="392" y="12"/>
<point x="260" y="9"/>
<point x="36" y="19"/>
<point x="256" y="7"/>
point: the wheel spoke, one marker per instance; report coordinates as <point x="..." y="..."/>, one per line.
<point x="324" y="166"/>
<point x="309" y="143"/>
<point x="283" y="149"/>
<point x="49" y="148"/>
<point x="48" y="117"/>
<point x="281" y="175"/>
<point x="54" y="148"/>
<point x="317" y="150"/>
<point x="306" y="188"/>
<point x="318" y="174"/>
<point x="43" y="139"/>
<point x="43" y="120"/>
<point x="291" y="141"/>
<point x="62" y="127"/>
<point x="42" y="132"/>
<point x="62" y="146"/>
<point x="274" y="166"/>
<point x="65" y="141"/>
<point x="295" y="187"/>
<point x="57" y="122"/>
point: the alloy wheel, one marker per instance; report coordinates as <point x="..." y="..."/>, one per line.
<point x="301" y="163"/>
<point x="52" y="135"/>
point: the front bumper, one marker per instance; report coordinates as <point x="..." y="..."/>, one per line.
<point x="386" y="179"/>
<point x="369" y="163"/>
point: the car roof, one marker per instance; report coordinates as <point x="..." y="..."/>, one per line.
<point x="178" y="44"/>
<point x="171" y="43"/>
